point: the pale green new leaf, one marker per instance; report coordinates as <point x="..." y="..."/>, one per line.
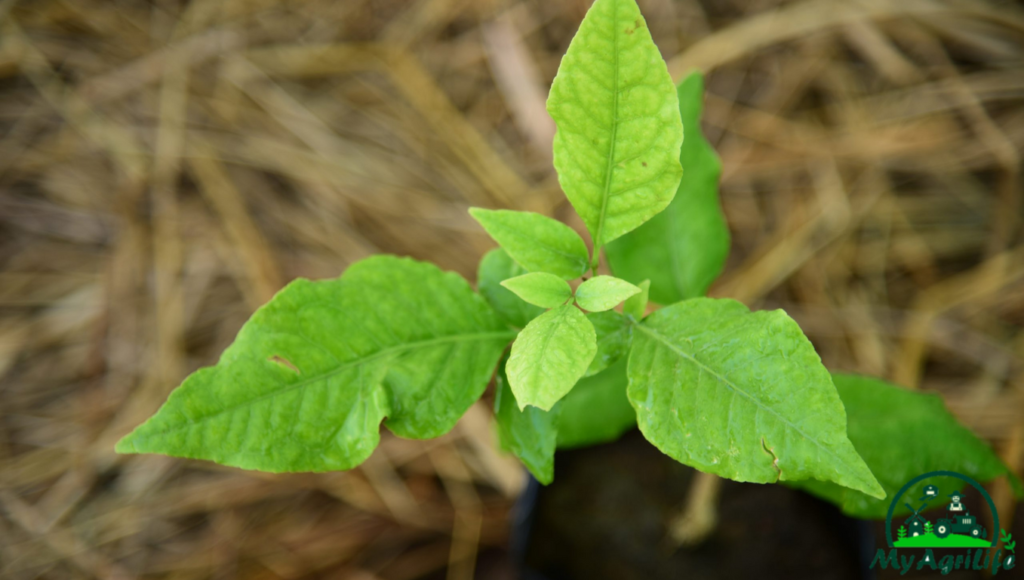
<point x="540" y="289"/>
<point x="311" y="375"/>
<point x="596" y="410"/>
<point x="619" y="131"/>
<point x="537" y="242"/>
<point x="636" y="305"/>
<point x="530" y="434"/>
<point x="614" y="332"/>
<point x="742" y="395"/>
<point x="602" y="293"/>
<point x="550" y="355"/>
<point x="683" y="249"/>
<point x="495" y="267"/>
<point x="902" y="434"/>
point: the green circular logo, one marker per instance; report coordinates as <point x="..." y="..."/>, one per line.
<point x="959" y="524"/>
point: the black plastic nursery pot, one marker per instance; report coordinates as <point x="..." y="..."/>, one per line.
<point x="606" y="514"/>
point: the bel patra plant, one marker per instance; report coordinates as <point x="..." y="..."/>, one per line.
<point x="313" y="374"/>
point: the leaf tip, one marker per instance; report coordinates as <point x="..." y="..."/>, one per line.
<point x="126" y="445"/>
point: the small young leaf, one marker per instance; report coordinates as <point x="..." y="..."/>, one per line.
<point x="614" y="332"/>
<point x="495" y="267"/>
<point x="636" y="305"/>
<point x="540" y="289"/>
<point x="742" y="395"/>
<point x="311" y="375"/>
<point x="596" y="410"/>
<point x="537" y="242"/>
<point x="902" y="434"/>
<point x="602" y="293"/>
<point x="683" y="249"/>
<point x="616" y="149"/>
<point x="529" y="434"/>
<point x="550" y="355"/>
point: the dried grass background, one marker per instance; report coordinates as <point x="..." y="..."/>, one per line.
<point x="165" y="167"/>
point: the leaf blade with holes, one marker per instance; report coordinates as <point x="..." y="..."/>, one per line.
<point x="360" y="347"/>
<point x="616" y="148"/>
<point x="602" y="293"/>
<point x="742" y="395"/>
<point x="540" y="289"/>
<point x="537" y="242"/>
<point x="550" y="355"/>
<point x="901" y="434"/>
<point x="682" y="249"/>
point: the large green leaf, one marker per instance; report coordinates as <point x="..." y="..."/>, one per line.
<point x="550" y="355"/>
<point x="616" y="149"/>
<point x="683" y="249"/>
<point x="537" y="242"/>
<point x="311" y="375"/>
<point x="540" y="288"/>
<point x="596" y="410"/>
<point x="902" y="434"/>
<point x="495" y="267"/>
<point x="614" y="332"/>
<point x="742" y="395"/>
<point x="602" y="293"/>
<point x="530" y="434"/>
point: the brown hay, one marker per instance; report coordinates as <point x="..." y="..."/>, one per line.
<point x="166" y="167"/>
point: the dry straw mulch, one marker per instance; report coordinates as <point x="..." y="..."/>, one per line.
<point x="166" y="167"/>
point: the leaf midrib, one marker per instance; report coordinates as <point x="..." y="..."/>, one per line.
<point x="615" y="129"/>
<point x="735" y="388"/>
<point x="383" y="353"/>
<point x="560" y="313"/>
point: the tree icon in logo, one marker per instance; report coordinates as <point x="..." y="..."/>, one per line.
<point x="958" y="528"/>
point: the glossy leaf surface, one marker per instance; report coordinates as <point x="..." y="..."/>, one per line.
<point x="495" y="267"/>
<point x="740" y="394"/>
<point x="596" y="410"/>
<point x="550" y="355"/>
<point x="902" y="434"/>
<point x="682" y="249"/>
<point x="538" y="243"/>
<point x="602" y="293"/>
<point x="616" y="149"/>
<point x="540" y="289"/>
<point x="311" y="375"/>
<point x="530" y="434"/>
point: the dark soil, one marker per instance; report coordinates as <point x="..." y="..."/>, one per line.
<point x="605" y="517"/>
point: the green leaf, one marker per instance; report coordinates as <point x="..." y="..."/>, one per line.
<point x="902" y="434"/>
<point x="636" y="305"/>
<point x="614" y="332"/>
<point x="683" y="249"/>
<point x="742" y="395"/>
<point x="495" y="267"/>
<point x="540" y="289"/>
<point x="530" y="434"/>
<point x="537" y="242"/>
<point x="616" y="149"/>
<point x="602" y="293"/>
<point x="311" y="375"/>
<point x="596" y="410"/>
<point x="550" y="355"/>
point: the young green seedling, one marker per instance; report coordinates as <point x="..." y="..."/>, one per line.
<point x="314" y="373"/>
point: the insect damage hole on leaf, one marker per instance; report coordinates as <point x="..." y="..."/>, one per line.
<point x="285" y="363"/>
